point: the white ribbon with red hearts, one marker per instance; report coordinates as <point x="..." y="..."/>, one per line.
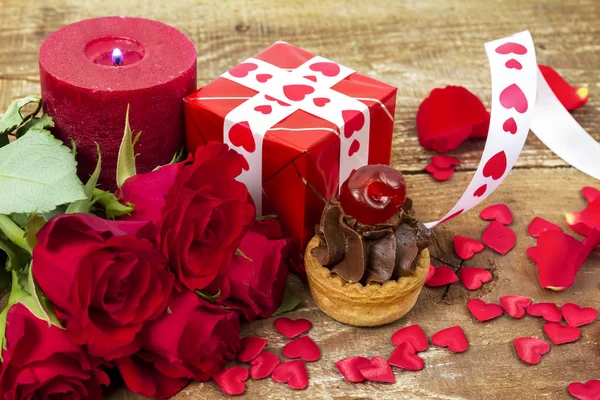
<point x="522" y="99"/>
<point x="282" y="92"/>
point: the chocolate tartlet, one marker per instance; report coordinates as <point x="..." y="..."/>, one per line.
<point x="367" y="274"/>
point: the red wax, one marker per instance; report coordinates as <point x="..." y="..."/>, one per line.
<point x="87" y="94"/>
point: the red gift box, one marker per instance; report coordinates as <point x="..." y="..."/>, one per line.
<point x="300" y="121"/>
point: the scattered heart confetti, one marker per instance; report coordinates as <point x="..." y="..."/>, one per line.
<point x="585" y="220"/>
<point x="570" y="97"/>
<point x="560" y="334"/>
<point x="549" y="311"/>
<point x="291" y="328"/>
<point x="405" y="357"/>
<point x="585" y="391"/>
<point x="483" y="311"/>
<point x="497" y="212"/>
<point x="413" y="335"/>
<point x="430" y="274"/>
<point x="466" y="247"/>
<point x="539" y="225"/>
<point x="263" y="365"/>
<point x="250" y="347"/>
<point x="293" y="373"/>
<point x="444" y="162"/>
<point x="590" y="193"/>
<point x="515" y="306"/>
<point x="439" y="174"/>
<point x="303" y="347"/>
<point x="499" y="237"/>
<point x="377" y="370"/>
<point x="448" y="117"/>
<point x="231" y="380"/>
<point x="453" y="338"/>
<point x="350" y="368"/>
<point x="578" y="316"/>
<point x="473" y="278"/>
<point x="443" y="276"/>
<point x="531" y="350"/>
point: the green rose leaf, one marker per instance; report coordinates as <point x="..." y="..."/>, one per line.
<point x="113" y="208"/>
<point x="37" y="173"/>
<point x="16" y="258"/>
<point x="12" y="118"/>
<point x="83" y="206"/>
<point x="290" y="301"/>
<point x="32" y="227"/>
<point x="37" y="123"/>
<point x="126" y="157"/>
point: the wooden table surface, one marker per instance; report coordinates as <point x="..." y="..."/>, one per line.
<point x="416" y="45"/>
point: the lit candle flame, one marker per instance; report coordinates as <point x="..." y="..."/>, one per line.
<point x="117" y="57"/>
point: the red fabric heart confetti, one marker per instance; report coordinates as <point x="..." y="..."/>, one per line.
<point x="497" y="212"/>
<point x="570" y="97"/>
<point x="539" y="225"/>
<point x="443" y="276"/>
<point x="377" y="370"/>
<point x="291" y="328"/>
<point x="499" y="237"/>
<point x="293" y="373"/>
<point x="590" y="193"/>
<point x="578" y="316"/>
<point x="585" y="391"/>
<point x="515" y="306"/>
<point x="449" y="116"/>
<point x="549" y="311"/>
<point x="303" y="347"/>
<point x="444" y="162"/>
<point x="438" y="173"/>
<point x="250" y="347"/>
<point x="430" y="274"/>
<point x="483" y="311"/>
<point x="413" y="335"/>
<point x="473" y="278"/>
<point x="531" y="350"/>
<point x="560" y="334"/>
<point x="466" y="247"/>
<point x="263" y="365"/>
<point x="405" y="357"/>
<point x="350" y="368"/>
<point x="587" y="219"/>
<point x="231" y="380"/>
<point x="453" y="338"/>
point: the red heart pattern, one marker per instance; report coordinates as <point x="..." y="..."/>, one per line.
<point x="515" y="306"/>
<point x="265" y="109"/>
<point x="231" y="380"/>
<point x="483" y="311"/>
<point x="405" y="357"/>
<point x="560" y="334"/>
<point x="377" y="370"/>
<point x="499" y="237"/>
<point x="513" y="97"/>
<point x="354" y="147"/>
<point x="281" y="103"/>
<point x="412" y="335"/>
<point x="549" y="311"/>
<point x="513" y="64"/>
<point x="353" y="122"/>
<point x="585" y="391"/>
<point x="497" y="212"/>
<point x="311" y="78"/>
<point x="453" y="338"/>
<point x="495" y="167"/>
<point x="263" y="365"/>
<point x="531" y="350"/>
<point x="293" y="373"/>
<point x="321" y="101"/>
<point x="480" y="190"/>
<point x="329" y="69"/>
<point x="262" y="78"/>
<point x="510" y="126"/>
<point x="473" y="278"/>
<point x="242" y="70"/>
<point x="466" y="247"/>
<point x="578" y="316"/>
<point x="304" y="348"/>
<point x="240" y="135"/>
<point x="297" y="92"/>
<point x="250" y="347"/>
<point x="511" y="47"/>
<point x="291" y="328"/>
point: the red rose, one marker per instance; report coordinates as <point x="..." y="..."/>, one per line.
<point x="255" y="288"/>
<point x="204" y="211"/>
<point x="41" y="362"/>
<point x="105" y="279"/>
<point x="194" y="340"/>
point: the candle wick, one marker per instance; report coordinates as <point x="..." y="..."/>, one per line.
<point x="117" y="57"/>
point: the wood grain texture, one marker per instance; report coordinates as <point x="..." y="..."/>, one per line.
<point x="416" y="45"/>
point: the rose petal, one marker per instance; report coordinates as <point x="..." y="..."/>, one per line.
<point x="570" y="97"/>
<point x="499" y="237"/>
<point x="590" y="193"/>
<point x="497" y="212"/>
<point x="587" y="219"/>
<point x="443" y="276"/>
<point x="438" y="173"/>
<point x="448" y="116"/>
<point x="539" y="225"/>
<point x="444" y="162"/>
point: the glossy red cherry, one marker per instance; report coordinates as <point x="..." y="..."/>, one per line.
<point x="373" y="194"/>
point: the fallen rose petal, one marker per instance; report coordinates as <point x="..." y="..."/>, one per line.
<point x="453" y="338"/>
<point x="250" y="347"/>
<point x="561" y="334"/>
<point x="497" y="212"/>
<point x="438" y="173"/>
<point x="443" y="276"/>
<point x="263" y="365"/>
<point x="531" y="350"/>
<point x="466" y="247"/>
<point x="405" y="357"/>
<point x="590" y="193"/>
<point x="444" y="162"/>
<point x="584" y="221"/>
<point x="515" y="306"/>
<point x="293" y="373"/>
<point x="483" y="311"/>
<point x="585" y="391"/>
<point x="350" y="368"/>
<point x="303" y="347"/>
<point x="430" y="274"/>
<point x="499" y="237"/>
<point x="377" y="370"/>
<point x="549" y="311"/>
<point x="413" y="335"/>
<point x="448" y="116"/>
<point x="570" y="97"/>
<point x="231" y="380"/>
<point x="539" y="225"/>
<point x="291" y="328"/>
<point x="473" y="278"/>
<point x="578" y="316"/>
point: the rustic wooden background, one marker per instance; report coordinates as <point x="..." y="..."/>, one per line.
<point x="416" y="45"/>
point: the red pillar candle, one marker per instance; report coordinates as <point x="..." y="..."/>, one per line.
<point x="86" y="89"/>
